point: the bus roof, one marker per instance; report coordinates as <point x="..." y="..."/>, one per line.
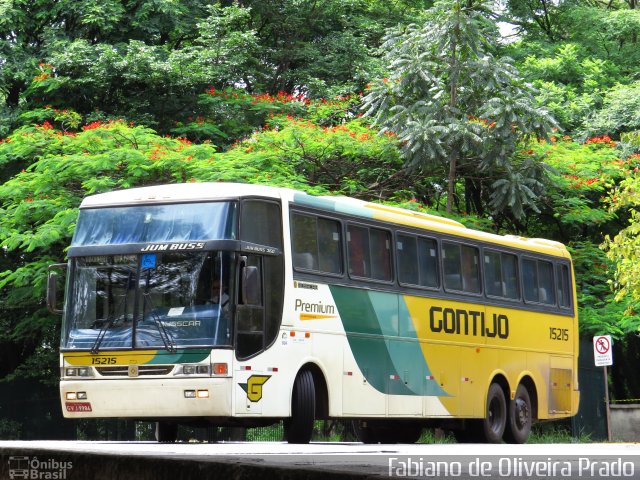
<point x="179" y="192"/>
<point x="192" y="192"/>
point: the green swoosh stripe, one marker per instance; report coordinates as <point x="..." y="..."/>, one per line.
<point x="384" y="344"/>
<point x="180" y="356"/>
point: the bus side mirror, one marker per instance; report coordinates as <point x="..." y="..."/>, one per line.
<point x="251" y="286"/>
<point x="52" y="288"/>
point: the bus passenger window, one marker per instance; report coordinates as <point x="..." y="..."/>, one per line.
<point x="545" y="283"/>
<point x="492" y="274"/>
<point x="510" y="276"/>
<point x="261" y="223"/>
<point x="359" y="260"/>
<point x="451" y="266"/>
<point x="407" y="266"/>
<point x="470" y="258"/>
<point x="461" y="267"/>
<point x="428" y="261"/>
<point x="538" y="281"/>
<point x="369" y="252"/>
<point x="380" y="243"/>
<point x="329" y="246"/>
<point x="501" y="275"/>
<point x="530" y="280"/>
<point x="305" y="242"/>
<point x="564" y="294"/>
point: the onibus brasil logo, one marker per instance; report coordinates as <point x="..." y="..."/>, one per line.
<point x="35" y="468"/>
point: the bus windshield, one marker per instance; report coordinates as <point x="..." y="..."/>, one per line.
<point x="155" y="223"/>
<point x="153" y="300"/>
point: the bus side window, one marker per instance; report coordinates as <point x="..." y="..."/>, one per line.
<point x="358" y="242"/>
<point x="407" y="266"/>
<point x="493" y="274"/>
<point x="537" y="276"/>
<point x="470" y="263"/>
<point x="530" y="280"/>
<point x="564" y="289"/>
<point x="451" y="266"/>
<point x="380" y="242"/>
<point x="304" y="238"/>
<point x="329" y="246"/>
<point x="369" y="252"/>
<point x="417" y="261"/>
<point x="511" y="285"/>
<point x="316" y="244"/>
<point x="545" y="283"/>
<point x="501" y="275"/>
<point x="461" y="267"/>
<point x="428" y="261"/>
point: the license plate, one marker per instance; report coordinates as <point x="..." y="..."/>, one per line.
<point x="78" y="407"/>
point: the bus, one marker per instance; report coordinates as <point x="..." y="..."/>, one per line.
<point x="243" y="305"/>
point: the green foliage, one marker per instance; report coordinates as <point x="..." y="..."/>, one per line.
<point x="607" y="33"/>
<point x="459" y="110"/>
<point x="570" y="84"/>
<point x="599" y="312"/>
<point x="349" y="158"/>
<point x="147" y="61"/>
<point x="620" y="112"/>
<point x="623" y="248"/>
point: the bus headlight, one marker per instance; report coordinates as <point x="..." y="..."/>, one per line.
<point x="193" y="370"/>
<point x="77" y="372"/>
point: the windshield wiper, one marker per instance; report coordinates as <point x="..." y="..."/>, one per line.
<point x="165" y="336"/>
<point x="108" y="323"/>
<point x="111" y="319"/>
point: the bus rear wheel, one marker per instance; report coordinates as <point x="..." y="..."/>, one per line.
<point x="495" y="420"/>
<point x="299" y="427"/>
<point x="520" y="417"/>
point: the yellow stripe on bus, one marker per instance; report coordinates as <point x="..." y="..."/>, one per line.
<point x="110" y="358"/>
<point x="314" y="316"/>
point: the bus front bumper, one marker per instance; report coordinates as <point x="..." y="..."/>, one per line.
<point x="146" y="398"/>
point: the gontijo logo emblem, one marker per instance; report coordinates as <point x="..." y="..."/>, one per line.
<point x="253" y="387"/>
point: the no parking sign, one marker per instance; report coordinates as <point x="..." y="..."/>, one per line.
<point x="602" y="351"/>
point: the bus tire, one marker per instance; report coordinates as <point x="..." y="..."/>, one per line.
<point x="299" y="427"/>
<point x="495" y="419"/>
<point x="520" y="417"/>
<point x="166" y="432"/>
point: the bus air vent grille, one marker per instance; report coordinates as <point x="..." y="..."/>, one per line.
<point x="142" y="371"/>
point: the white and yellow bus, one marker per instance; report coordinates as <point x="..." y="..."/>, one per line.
<point x="232" y="304"/>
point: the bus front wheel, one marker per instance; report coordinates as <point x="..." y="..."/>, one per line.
<point x="520" y="417"/>
<point x="495" y="420"/>
<point x="299" y="427"/>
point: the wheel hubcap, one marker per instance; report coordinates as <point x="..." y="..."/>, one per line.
<point x="522" y="413"/>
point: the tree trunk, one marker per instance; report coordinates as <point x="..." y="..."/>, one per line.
<point x="453" y="100"/>
<point x="451" y="183"/>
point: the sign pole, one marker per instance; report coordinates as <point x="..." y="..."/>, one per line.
<point x="606" y="403"/>
<point x="603" y="357"/>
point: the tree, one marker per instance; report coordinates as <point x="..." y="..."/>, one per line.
<point x="457" y="108"/>
<point x="623" y="249"/>
<point x="620" y="112"/>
